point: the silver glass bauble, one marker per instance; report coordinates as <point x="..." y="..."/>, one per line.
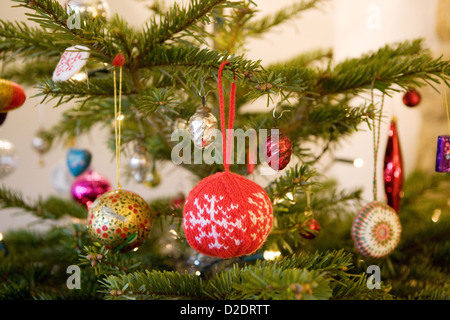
<point x="202" y="127"/>
<point x="89" y="8"/>
<point x="152" y="179"/>
<point x="40" y="143"/>
<point x="140" y="163"/>
<point x="180" y="123"/>
<point x="8" y="158"/>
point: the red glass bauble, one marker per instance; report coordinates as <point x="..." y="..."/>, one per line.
<point x="278" y="151"/>
<point x="411" y="98"/>
<point x="177" y="202"/>
<point x="314" y="229"/>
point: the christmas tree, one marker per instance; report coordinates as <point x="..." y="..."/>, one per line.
<point x="174" y="75"/>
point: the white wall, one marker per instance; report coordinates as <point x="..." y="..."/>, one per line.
<point x="340" y="24"/>
<point x="364" y="25"/>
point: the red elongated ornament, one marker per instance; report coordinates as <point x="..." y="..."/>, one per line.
<point x="393" y="168"/>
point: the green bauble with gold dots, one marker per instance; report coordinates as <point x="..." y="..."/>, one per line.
<point x="118" y="217"/>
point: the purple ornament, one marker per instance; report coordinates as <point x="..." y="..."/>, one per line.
<point x="443" y="154"/>
<point x="89" y="186"/>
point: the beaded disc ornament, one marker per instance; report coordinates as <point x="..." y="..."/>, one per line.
<point x="376" y="230"/>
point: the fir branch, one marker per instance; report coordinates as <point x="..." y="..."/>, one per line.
<point x="94" y="34"/>
<point x="297" y="178"/>
<point x="299" y="277"/>
<point x="20" y="39"/>
<point x="267" y="23"/>
<point x="51" y="208"/>
<point x="176" y="21"/>
<point x="402" y="64"/>
<point x="28" y="72"/>
<point x="157" y="98"/>
<point x="286" y="284"/>
<point x="85" y="89"/>
<point x="153" y="284"/>
<point x="392" y="65"/>
<point x="196" y="58"/>
<point x="355" y="288"/>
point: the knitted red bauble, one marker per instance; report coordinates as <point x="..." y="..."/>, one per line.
<point x="227" y="215"/>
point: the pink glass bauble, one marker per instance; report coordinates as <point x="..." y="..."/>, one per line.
<point x="89" y="186"/>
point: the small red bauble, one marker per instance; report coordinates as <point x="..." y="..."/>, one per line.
<point x="177" y="202"/>
<point x="227" y="215"/>
<point x="314" y="226"/>
<point x="411" y="98"/>
<point x="119" y="60"/>
<point x="278" y="152"/>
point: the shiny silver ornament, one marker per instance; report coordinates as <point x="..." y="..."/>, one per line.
<point x="202" y="127"/>
<point x="152" y="179"/>
<point x="8" y="158"/>
<point x="89" y="8"/>
<point x="40" y="143"/>
<point x="61" y="178"/>
<point x="140" y="163"/>
<point x="180" y="123"/>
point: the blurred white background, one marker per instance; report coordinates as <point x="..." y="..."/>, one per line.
<point x="349" y="27"/>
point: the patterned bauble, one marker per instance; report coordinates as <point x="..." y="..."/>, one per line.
<point x="12" y="96"/>
<point x="89" y="8"/>
<point x="376" y="230"/>
<point x="8" y="157"/>
<point x="87" y="187"/>
<point x="202" y="127"/>
<point x="227" y="215"/>
<point x="118" y="217"/>
<point x="411" y="98"/>
<point x="312" y="229"/>
<point x="278" y="151"/>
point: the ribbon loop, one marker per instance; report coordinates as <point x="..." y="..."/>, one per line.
<point x="227" y="139"/>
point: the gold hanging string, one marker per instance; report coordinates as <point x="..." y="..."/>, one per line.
<point x="376" y="129"/>
<point x="117" y="126"/>
<point x="447" y="108"/>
